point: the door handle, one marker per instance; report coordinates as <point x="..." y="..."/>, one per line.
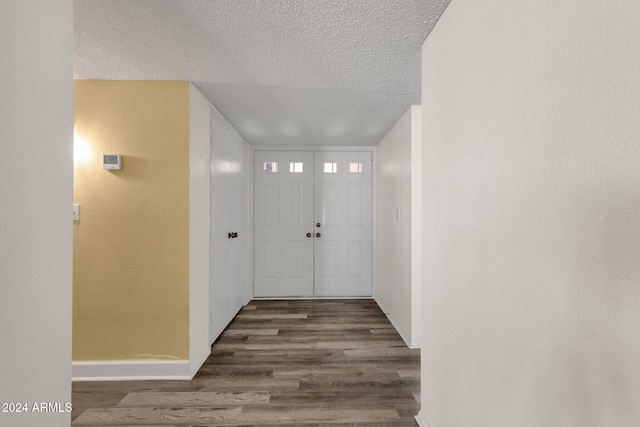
<point x="308" y="234"/>
<point x="318" y="234"/>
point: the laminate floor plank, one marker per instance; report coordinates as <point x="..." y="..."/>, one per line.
<point x="279" y="362"/>
<point x="270" y="316"/>
<point x="193" y="399"/>
<point x="331" y="371"/>
<point x="159" y="416"/>
<point x="248" y="384"/>
<point x="327" y="398"/>
<point x="250" y="332"/>
<point x="313" y="415"/>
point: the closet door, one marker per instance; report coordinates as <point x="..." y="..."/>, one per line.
<point x="228" y="216"/>
<point x="283" y="221"/>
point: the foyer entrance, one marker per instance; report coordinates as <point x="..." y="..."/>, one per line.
<point x="313" y="227"/>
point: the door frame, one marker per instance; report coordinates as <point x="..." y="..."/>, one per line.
<point x="250" y="206"/>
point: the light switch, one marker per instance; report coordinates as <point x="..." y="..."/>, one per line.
<point x="396" y="214"/>
<point x="76" y="212"/>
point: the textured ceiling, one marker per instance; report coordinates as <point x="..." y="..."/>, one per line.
<point x="283" y="72"/>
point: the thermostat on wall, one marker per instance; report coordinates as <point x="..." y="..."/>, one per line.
<point x="112" y="162"/>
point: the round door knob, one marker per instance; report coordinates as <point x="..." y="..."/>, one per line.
<point x="318" y="224"/>
<point x="318" y="234"/>
<point x="308" y="234"/>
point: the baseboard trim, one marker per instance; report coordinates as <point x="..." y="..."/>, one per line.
<point x="403" y="334"/>
<point x="129" y="370"/>
<point x="197" y="364"/>
<point x="421" y="420"/>
<point x="307" y="298"/>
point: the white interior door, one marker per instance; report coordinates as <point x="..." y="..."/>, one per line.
<point x="343" y="224"/>
<point x="312" y="234"/>
<point x="283" y="224"/>
<point x="237" y="197"/>
<point x="228" y="208"/>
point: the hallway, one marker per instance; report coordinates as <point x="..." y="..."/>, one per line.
<point x="311" y="362"/>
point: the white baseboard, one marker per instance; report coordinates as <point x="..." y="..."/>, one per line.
<point x="421" y="420"/>
<point x="197" y="363"/>
<point x="403" y="334"/>
<point x="306" y="298"/>
<point x="125" y="370"/>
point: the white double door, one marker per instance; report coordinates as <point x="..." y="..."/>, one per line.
<point x="312" y="224"/>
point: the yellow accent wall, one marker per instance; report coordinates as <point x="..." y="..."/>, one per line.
<point x="131" y="245"/>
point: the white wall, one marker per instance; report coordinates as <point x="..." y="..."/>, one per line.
<point x="394" y="290"/>
<point x="36" y="176"/>
<point x="199" y="170"/>
<point x="532" y="215"/>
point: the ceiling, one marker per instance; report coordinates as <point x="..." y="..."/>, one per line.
<point x="283" y="72"/>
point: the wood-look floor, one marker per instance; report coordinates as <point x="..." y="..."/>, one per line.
<point x="297" y="362"/>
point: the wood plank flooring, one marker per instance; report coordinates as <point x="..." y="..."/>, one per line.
<point x="294" y="362"/>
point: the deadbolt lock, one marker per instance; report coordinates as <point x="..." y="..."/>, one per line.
<point x="318" y="224"/>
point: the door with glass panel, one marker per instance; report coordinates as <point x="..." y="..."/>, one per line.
<point x="283" y="216"/>
<point x="312" y="220"/>
<point x="342" y="243"/>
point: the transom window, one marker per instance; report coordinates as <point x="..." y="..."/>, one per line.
<point x="355" y="167"/>
<point x="329" y="167"/>
<point x="296" y="167"/>
<point x="270" y="167"/>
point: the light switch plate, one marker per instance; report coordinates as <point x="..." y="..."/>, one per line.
<point x="76" y="212"/>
